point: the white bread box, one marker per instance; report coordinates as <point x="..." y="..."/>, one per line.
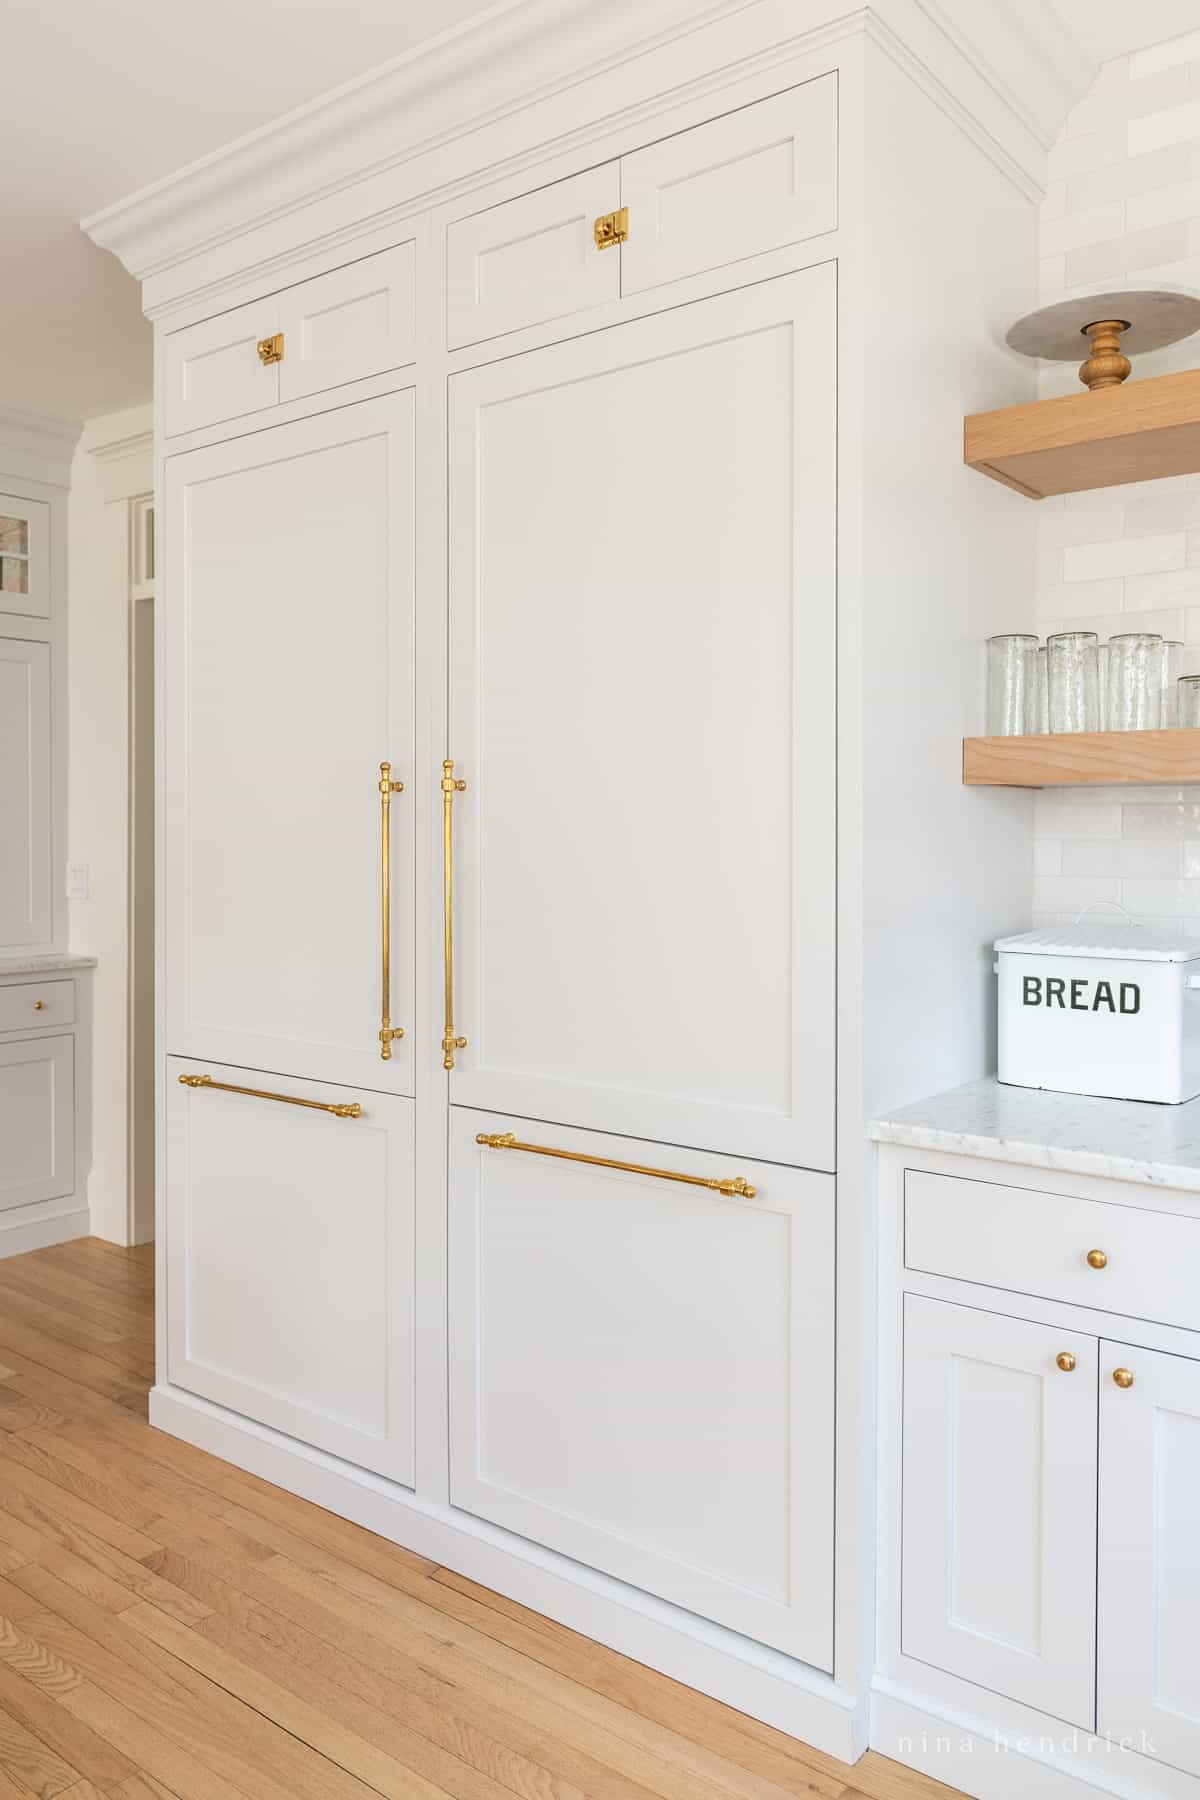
<point x="1101" y="1009"/>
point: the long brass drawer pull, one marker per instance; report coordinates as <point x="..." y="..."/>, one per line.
<point x="388" y="1032"/>
<point x="450" y="787"/>
<point x="349" y="1110"/>
<point x="733" y="1186"/>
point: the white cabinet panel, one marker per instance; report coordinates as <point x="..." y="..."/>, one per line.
<point x="32" y="1005"/>
<point x="642" y="705"/>
<point x="288" y="660"/>
<point x="531" y="259"/>
<point x="356" y="321"/>
<point x="642" y="1371"/>
<point x="754" y="180"/>
<point x="1149" y="1669"/>
<point x="24" y="557"/>
<point x="26" y="906"/>
<point x="37" y="1113"/>
<point x="999" y="1544"/>
<point x="212" y="371"/>
<point x="290" y="1261"/>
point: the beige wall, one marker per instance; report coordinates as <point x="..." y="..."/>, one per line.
<point x="112" y="465"/>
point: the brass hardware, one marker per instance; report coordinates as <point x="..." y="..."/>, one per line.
<point x="450" y="787"/>
<point x="39" y="1006"/>
<point x="1123" y="1377"/>
<point x="1097" y="1259"/>
<point x="270" y="350"/>
<point x="734" y="1187"/>
<point x="352" y="1110"/>
<point x="1065" y="1361"/>
<point x="388" y="1032"/>
<point x="611" y="228"/>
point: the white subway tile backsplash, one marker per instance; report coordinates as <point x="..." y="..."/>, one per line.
<point x="1146" y="858"/>
<point x="1056" y="818"/>
<point x="1124" y="209"/>
<point x="1125" y="556"/>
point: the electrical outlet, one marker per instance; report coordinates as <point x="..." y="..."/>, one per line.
<point x="78" y="881"/>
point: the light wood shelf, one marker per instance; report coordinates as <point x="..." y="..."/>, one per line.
<point x="1080" y="758"/>
<point x="1140" y="431"/>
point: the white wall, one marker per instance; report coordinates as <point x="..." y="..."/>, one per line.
<point x="112" y="464"/>
<point x="1123" y="210"/>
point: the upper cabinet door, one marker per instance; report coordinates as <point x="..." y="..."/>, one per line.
<point x="348" y="324"/>
<point x="999" y="1504"/>
<point x="288" y="657"/>
<point x="213" y="371"/>
<point x="757" y="179"/>
<point x="1149" y="1671"/>
<point x="26" y="907"/>
<point x="642" y="706"/>
<point x="531" y="259"/>
<point x="24" y="557"/>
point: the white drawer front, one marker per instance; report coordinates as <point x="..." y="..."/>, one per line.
<point x="30" y="1005"/>
<point x="1035" y="1243"/>
<point x="755" y="180"/>
<point x="37" y="1120"/>
<point x="348" y="324"/>
<point x="212" y="371"/>
<point x="642" y="1370"/>
<point x="531" y="259"/>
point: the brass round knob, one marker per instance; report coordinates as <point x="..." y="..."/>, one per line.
<point x="1065" y="1361"/>
<point x="39" y="1006"/>
<point x="1123" y="1377"/>
<point x="1097" y="1259"/>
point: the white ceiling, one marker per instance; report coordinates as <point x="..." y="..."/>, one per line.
<point x="102" y="100"/>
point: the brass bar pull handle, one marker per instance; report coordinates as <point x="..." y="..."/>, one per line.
<point x="351" y="1110"/>
<point x="388" y="1032"/>
<point x="450" y="787"/>
<point x="733" y="1186"/>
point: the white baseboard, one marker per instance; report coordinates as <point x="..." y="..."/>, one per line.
<point x="19" y="1234"/>
<point x="761" y="1682"/>
<point x="994" y="1765"/>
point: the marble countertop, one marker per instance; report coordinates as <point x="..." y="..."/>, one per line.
<point x="1129" y="1140"/>
<point x="44" y="965"/>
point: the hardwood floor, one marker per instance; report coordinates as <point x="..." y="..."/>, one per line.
<point x="172" y="1629"/>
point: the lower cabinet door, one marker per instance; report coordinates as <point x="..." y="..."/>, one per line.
<point x="290" y="1258"/>
<point x="642" y="1368"/>
<point x="1149" y="1614"/>
<point x="999" y="1504"/>
<point x="37" y="1120"/>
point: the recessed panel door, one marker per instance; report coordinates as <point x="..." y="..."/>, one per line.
<point x="999" y="1557"/>
<point x="1149" y="1563"/>
<point x="37" y="1120"/>
<point x="288" y="657"/>
<point x="642" y="1366"/>
<point x="290" y="1257"/>
<point x="642" y="707"/>
<point x="26" y="904"/>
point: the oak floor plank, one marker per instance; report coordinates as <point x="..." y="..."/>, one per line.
<point x="174" y="1628"/>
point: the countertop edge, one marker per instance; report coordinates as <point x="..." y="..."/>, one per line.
<point x="1035" y="1155"/>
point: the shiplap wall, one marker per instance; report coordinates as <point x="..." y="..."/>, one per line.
<point x="1123" y="210"/>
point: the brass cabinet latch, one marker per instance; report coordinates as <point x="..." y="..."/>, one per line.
<point x="611" y="228"/>
<point x="270" y="350"/>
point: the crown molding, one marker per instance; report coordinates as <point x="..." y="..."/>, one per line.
<point x="115" y="436"/>
<point x="449" y="105"/>
<point x="37" y="449"/>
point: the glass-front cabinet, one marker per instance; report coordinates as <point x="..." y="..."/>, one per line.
<point x="24" y="557"/>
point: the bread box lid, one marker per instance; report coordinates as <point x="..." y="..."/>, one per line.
<point x="1124" y="943"/>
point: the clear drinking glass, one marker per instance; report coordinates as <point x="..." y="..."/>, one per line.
<point x="1135" y="666"/>
<point x="1102" y="683"/>
<point x="1172" y="651"/>
<point x="1188" y="702"/>
<point x="1037" y="699"/>
<point x="1009" y="659"/>
<point x="1071" y="658"/>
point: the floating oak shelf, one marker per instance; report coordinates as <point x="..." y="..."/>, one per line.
<point x="1140" y="431"/>
<point x="1080" y="758"/>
